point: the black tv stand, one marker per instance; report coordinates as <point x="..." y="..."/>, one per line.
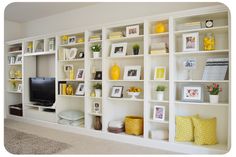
<point x="43" y="104"/>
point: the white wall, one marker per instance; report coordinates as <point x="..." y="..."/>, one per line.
<point x="102" y="13"/>
<point x="12" y="30"/>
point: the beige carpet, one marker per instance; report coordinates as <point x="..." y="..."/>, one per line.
<point x="82" y="144"/>
<point x="17" y="142"/>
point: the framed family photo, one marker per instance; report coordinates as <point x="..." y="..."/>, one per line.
<point x="80" y="74"/>
<point x="132" y="31"/>
<point x="132" y="72"/>
<point x="159" y="113"/>
<point x="160" y="73"/>
<point x="192" y="93"/>
<point x="72" y="40"/>
<point x="97" y="107"/>
<point x="18" y="59"/>
<point x="80" y="90"/>
<point x="191" y="41"/>
<point x="98" y="75"/>
<point x="118" y="49"/>
<point x="68" y="67"/>
<point x="117" y="92"/>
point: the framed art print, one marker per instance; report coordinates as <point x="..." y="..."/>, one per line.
<point x="132" y="31"/>
<point x="118" y="49"/>
<point x="117" y="92"/>
<point x="191" y="41"/>
<point x="159" y="113"/>
<point x="132" y="72"/>
<point x="160" y="73"/>
<point x="192" y="93"/>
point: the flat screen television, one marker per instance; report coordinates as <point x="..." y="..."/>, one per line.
<point x="42" y="90"/>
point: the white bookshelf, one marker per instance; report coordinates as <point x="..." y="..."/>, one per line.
<point x="118" y="108"/>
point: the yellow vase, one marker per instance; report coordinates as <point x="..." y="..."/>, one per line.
<point x="115" y="72"/>
<point x="160" y="27"/>
<point x="69" y="90"/>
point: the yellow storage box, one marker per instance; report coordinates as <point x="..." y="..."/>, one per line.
<point x="134" y="125"/>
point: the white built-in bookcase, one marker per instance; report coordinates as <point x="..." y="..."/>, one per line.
<point x="118" y="108"/>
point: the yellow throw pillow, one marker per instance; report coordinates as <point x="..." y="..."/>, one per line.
<point x="184" y="128"/>
<point x="204" y="131"/>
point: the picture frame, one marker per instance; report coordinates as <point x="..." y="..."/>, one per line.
<point x="97" y="107"/>
<point x="159" y="113"/>
<point x="68" y="67"/>
<point x="132" y="31"/>
<point x="190" y="41"/>
<point x="80" y="90"/>
<point x="72" y="40"/>
<point x="192" y="93"/>
<point x="19" y="88"/>
<point x="18" y="59"/>
<point x="98" y="75"/>
<point x="190" y="63"/>
<point x="80" y="74"/>
<point x="118" y="49"/>
<point x="160" y="73"/>
<point x="132" y="72"/>
<point x="117" y="91"/>
<point x="12" y="59"/>
<point x="71" y="54"/>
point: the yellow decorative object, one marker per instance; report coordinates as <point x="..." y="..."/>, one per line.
<point x="30" y="45"/>
<point x="69" y="90"/>
<point x="134" y="89"/>
<point x="134" y="125"/>
<point x="71" y="74"/>
<point x="115" y="72"/>
<point x="18" y="74"/>
<point x="93" y="94"/>
<point x="204" y="131"/>
<point x="80" y="40"/>
<point x="209" y="42"/>
<point x="64" y="86"/>
<point x="184" y="128"/>
<point x="160" y="27"/>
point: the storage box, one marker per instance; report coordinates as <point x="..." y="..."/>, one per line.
<point x="15" y="109"/>
<point x="134" y="125"/>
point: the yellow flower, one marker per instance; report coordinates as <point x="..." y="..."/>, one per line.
<point x="65" y="37"/>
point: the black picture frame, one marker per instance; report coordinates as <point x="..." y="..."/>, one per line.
<point x="120" y="92"/>
<point x="98" y="75"/>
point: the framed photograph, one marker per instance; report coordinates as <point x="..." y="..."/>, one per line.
<point x="12" y="59"/>
<point x="192" y="93"/>
<point x="132" y="72"/>
<point x="191" y="41"/>
<point x="80" y="90"/>
<point x="96" y="107"/>
<point x="80" y="74"/>
<point x="159" y="113"/>
<point x="190" y="64"/>
<point x="160" y="73"/>
<point x="19" y="88"/>
<point x="118" y="49"/>
<point x="132" y="31"/>
<point x="98" y="75"/>
<point x="117" y="91"/>
<point x="72" y="40"/>
<point x="18" y="59"/>
<point x="68" y="67"/>
<point x="71" y="54"/>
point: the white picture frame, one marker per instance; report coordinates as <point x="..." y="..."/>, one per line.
<point x="97" y="108"/>
<point x="117" y="92"/>
<point x="72" y="40"/>
<point x="190" y="42"/>
<point x="12" y="59"/>
<point x="80" y="90"/>
<point x="132" y="72"/>
<point x="192" y="93"/>
<point x="18" y="59"/>
<point x="118" y="49"/>
<point x="71" y="54"/>
<point x="80" y="75"/>
<point x="190" y="63"/>
<point x="19" y="88"/>
<point x="132" y="31"/>
<point x="68" y="67"/>
<point x="159" y="113"/>
<point x="160" y="73"/>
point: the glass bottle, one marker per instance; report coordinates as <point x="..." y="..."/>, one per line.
<point x="209" y="42"/>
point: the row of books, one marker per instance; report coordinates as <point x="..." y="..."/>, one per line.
<point x="95" y="37"/>
<point x="62" y="88"/>
<point x="157" y="48"/>
<point x="189" y="25"/>
<point x="115" y="35"/>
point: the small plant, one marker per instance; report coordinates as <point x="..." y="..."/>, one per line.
<point x="135" y="46"/>
<point x="97" y="86"/>
<point x="214" y="89"/>
<point x="160" y="88"/>
<point x="96" y="48"/>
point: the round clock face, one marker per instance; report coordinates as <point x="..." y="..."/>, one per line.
<point x="209" y="23"/>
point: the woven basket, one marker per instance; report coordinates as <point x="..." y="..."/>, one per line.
<point x="133" y="125"/>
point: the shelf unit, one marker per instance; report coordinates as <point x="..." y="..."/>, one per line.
<point x="118" y="108"/>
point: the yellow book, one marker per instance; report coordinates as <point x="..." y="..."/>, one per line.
<point x="63" y="89"/>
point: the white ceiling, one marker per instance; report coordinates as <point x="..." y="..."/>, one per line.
<point x="24" y="12"/>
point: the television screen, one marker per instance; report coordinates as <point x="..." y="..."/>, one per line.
<point x="42" y="90"/>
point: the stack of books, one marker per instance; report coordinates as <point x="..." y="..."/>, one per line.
<point x="159" y="48"/>
<point x="189" y="25"/>
<point x="95" y="37"/>
<point x="62" y="88"/>
<point x="115" y="35"/>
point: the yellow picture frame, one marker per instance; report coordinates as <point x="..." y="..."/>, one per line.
<point x="160" y="73"/>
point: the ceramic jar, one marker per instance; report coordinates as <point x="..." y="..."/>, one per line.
<point x="115" y="72"/>
<point x="209" y="42"/>
<point x="160" y="27"/>
<point x="160" y="95"/>
<point x="69" y="90"/>
<point x="214" y="99"/>
<point x="97" y="123"/>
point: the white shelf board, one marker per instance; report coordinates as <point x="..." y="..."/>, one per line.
<point x="18" y="64"/>
<point x="127" y="57"/>
<point x="124" y="134"/>
<point x="72" y="60"/>
<point x="38" y="106"/>
<point x="158" y="55"/>
<point x="159" y="121"/>
<point x="127" y="38"/>
<point x="68" y="80"/>
<point x="100" y="58"/>
<point x="219" y="28"/>
<point x="95" y="80"/>
<point x="201" y="103"/>
<point x="39" y="53"/>
<point x="15" y="52"/>
<point x="158" y="101"/>
<point x="95" y="97"/>
<point x="18" y="80"/>
<point x="223" y="51"/>
<point x="71" y="45"/>
<point x="203" y="81"/>
<point x="125" y="99"/>
<point x="95" y="114"/>
<point x="159" y="81"/>
<point x="125" y="80"/>
<point x="71" y="96"/>
<point x="159" y="34"/>
<point x="95" y="41"/>
<point x="16" y="92"/>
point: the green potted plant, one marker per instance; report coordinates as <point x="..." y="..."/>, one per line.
<point x="96" y="50"/>
<point x="136" y="49"/>
<point x="98" y="89"/>
<point x="214" y="91"/>
<point x="160" y="92"/>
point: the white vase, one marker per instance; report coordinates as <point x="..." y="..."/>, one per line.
<point x="214" y="99"/>
<point x="160" y="95"/>
<point x="96" y="54"/>
<point x="98" y="93"/>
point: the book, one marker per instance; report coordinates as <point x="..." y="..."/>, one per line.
<point x="158" y="51"/>
<point x="158" y="46"/>
<point x="215" y="69"/>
